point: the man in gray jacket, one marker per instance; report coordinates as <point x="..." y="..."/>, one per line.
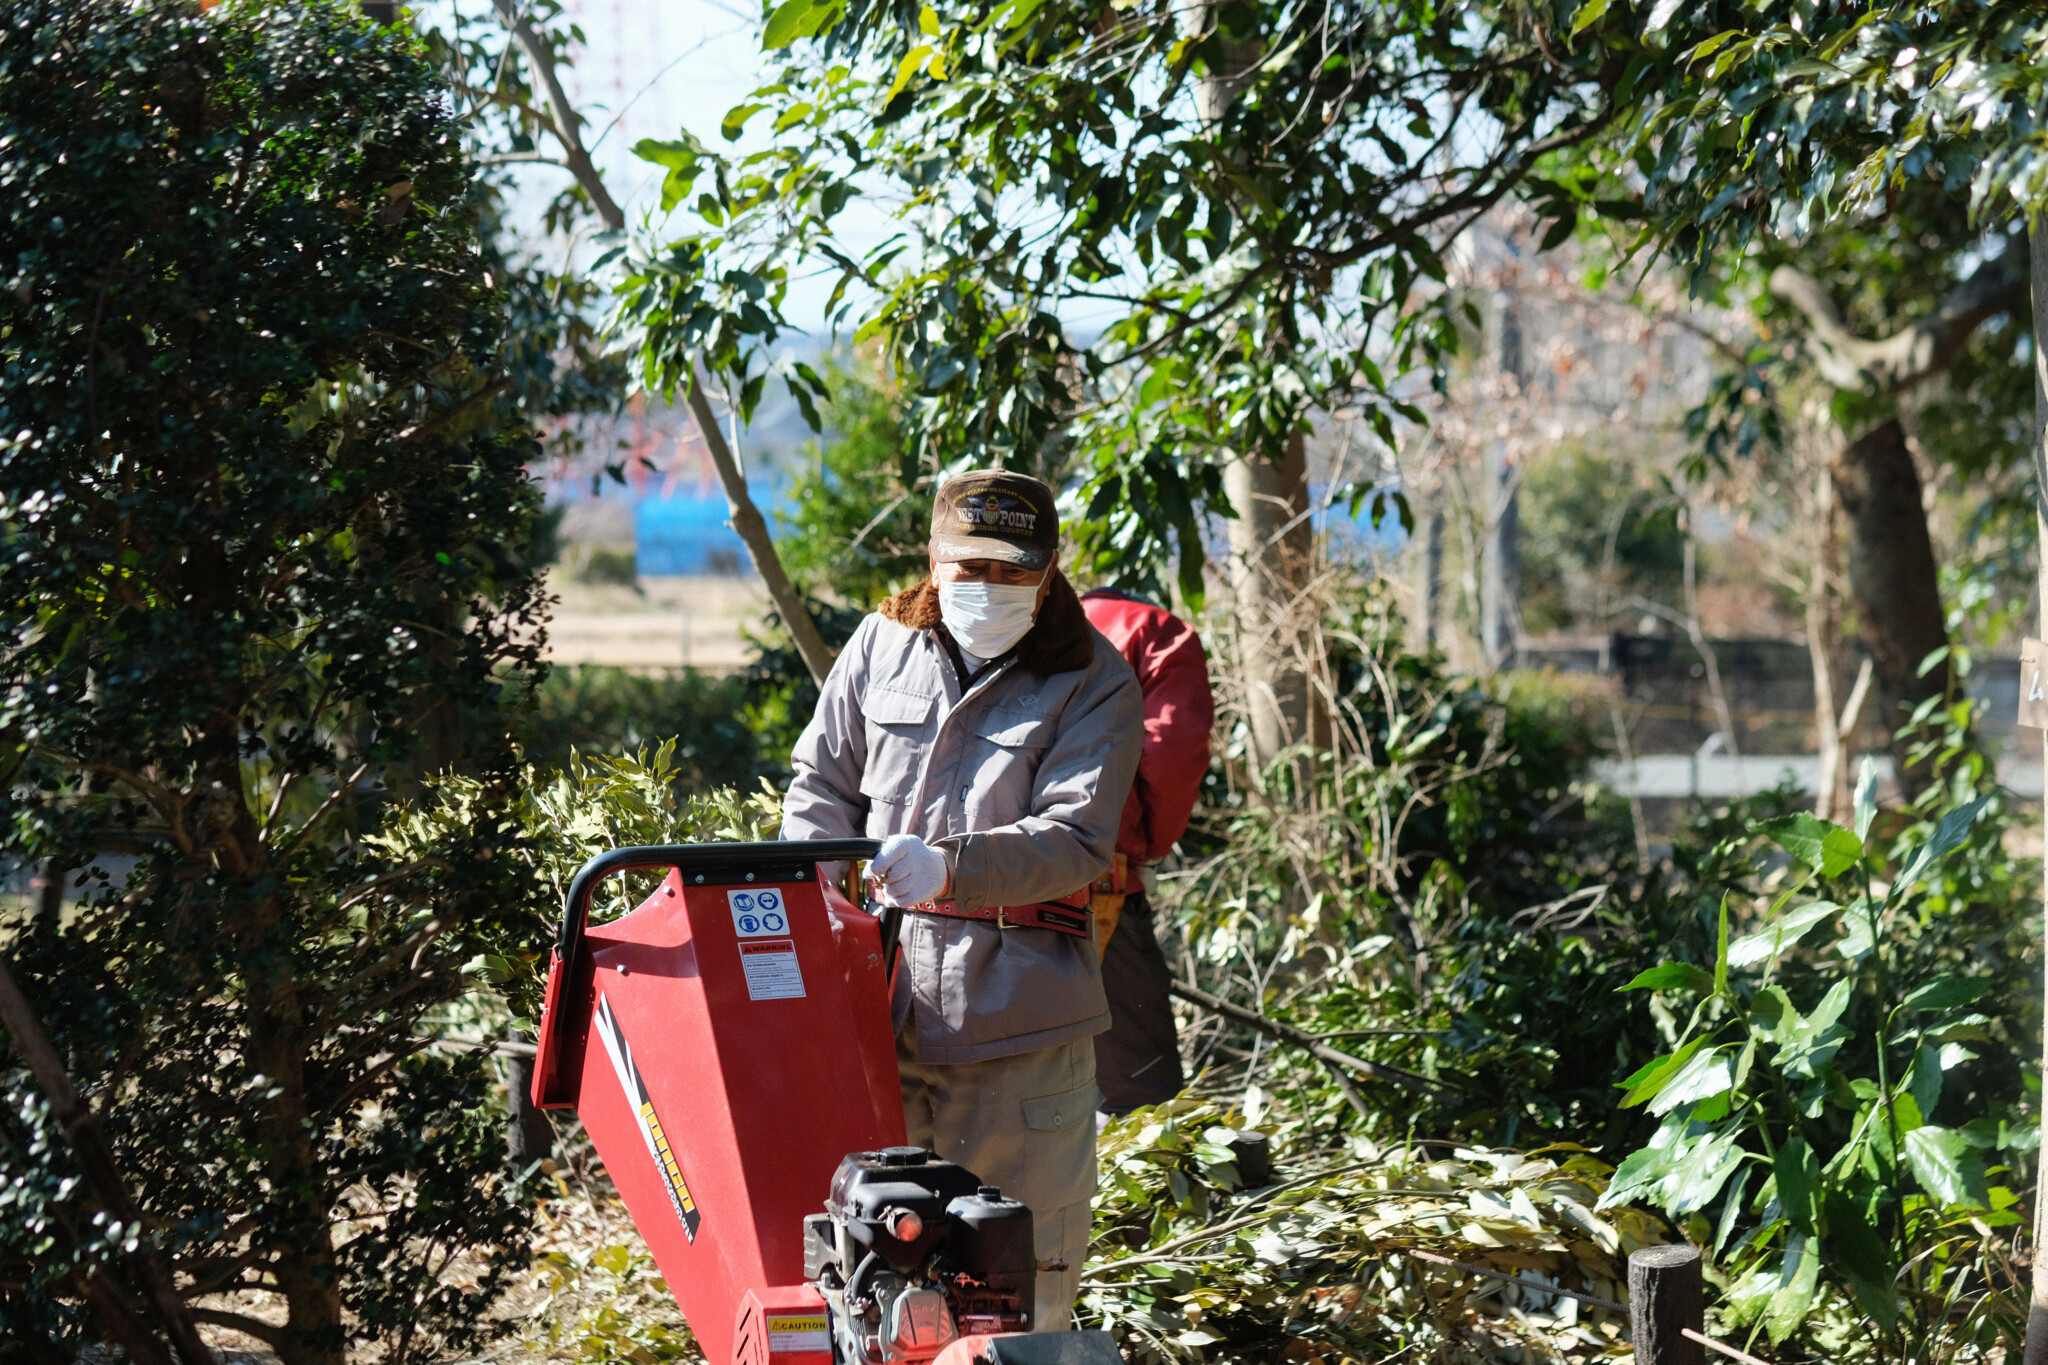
<point x="984" y="731"/>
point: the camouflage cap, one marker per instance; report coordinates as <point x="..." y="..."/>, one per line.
<point x="993" y="514"/>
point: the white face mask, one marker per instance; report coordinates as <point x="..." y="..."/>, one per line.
<point x="987" y="618"/>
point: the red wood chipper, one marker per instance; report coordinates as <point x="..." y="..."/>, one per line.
<point x="727" y="1045"/>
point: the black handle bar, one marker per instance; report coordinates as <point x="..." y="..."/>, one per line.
<point x="718" y="862"/>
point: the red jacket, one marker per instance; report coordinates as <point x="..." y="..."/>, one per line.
<point x="1173" y="674"/>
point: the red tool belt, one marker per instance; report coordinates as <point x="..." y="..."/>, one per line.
<point x="1067" y="915"/>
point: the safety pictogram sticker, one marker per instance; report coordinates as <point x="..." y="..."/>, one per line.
<point x="650" y="1125"/>
<point x="772" y="973"/>
<point x="758" y="914"/>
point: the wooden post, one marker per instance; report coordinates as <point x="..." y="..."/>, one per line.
<point x="1666" y="1295"/>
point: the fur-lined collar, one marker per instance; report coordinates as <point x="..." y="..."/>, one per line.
<point x="1059" y="641"/>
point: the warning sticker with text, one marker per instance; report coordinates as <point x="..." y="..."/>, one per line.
<point x="797" y="1332"/>
<point x="772" y="973"/>
<point x="758" y="914"/>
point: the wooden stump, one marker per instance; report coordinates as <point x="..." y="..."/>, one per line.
<point x="1666" y="1295"/>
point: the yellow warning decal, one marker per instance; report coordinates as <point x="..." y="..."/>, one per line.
<point x="671" y="1169"/>
<point x="665" y="1162"/>
<point x="792" y="1332"/>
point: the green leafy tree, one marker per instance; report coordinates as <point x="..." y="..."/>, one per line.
<point x="264" y="523"/>
<point x="1591" y="534"/>
<point x="861" y="500"/>
<point x="1252" y="198"/>
<point x="600" y="709"/>
<point x="1835" y="1103"/>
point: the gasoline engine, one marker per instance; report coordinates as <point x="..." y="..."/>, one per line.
<point x="912" y="1253"/>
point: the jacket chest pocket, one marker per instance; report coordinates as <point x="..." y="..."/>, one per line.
<point x="1011" y="729"/>
<point x="899" y="731"/>
<point x="1009" y="745"/>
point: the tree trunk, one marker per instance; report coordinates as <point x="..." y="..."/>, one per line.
<point x="752" y="529"/>
<point x="1821" y="633"/>
<point x="306" y="1272"/>
<point x="1432" y="594"/>
<point x="1893" y="579"/>
<point x="2037" y="242"/>
<point x="1501" y="568"/>
<point x="1271" y="543"/>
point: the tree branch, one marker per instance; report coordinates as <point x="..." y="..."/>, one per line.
<point x="1921" y="350"/>
<point x="1314" y="1046"/>
<point x="96" y="1161"/>
<point x="562" y="115"/>
<point x="273" y="1337"/>
<point x="753" y="529"/>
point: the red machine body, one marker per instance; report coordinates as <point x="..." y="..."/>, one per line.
<point x="725" y="1044"/>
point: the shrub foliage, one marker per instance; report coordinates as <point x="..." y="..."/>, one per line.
<point x="264" y="540"/>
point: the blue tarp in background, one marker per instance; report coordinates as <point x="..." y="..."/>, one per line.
<point x="689" y="533"/>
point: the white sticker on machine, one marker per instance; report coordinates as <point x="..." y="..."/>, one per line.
<point x="758" y="914"/>
<point x="772" y="973"/>
<point x="797" y="1332"/>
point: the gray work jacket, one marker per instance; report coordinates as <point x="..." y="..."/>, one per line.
<point x="1020" y="783"/>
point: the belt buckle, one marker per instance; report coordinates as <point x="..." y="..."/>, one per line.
<point x="1002" y="920"/>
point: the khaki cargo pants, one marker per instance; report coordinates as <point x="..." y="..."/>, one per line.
<point x="1025" y="1124"/>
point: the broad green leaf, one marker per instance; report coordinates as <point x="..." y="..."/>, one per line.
<point x="1820" y="844"/>
<point x="1731" y="1208"/>
<point x="1671" y="976"/>
<point x="1945" y="993"/>
<point x="1807" y="1044"/>
<point x="1707" y="49"/>
<point x="1866" y="797"/>
<point x="1709" y="1073"/>
<point x="1946" y="1166"/>
<point x="1862" y="1255"/>
<point x="1698" y="1176"/>
<point x="928" y="21"/>
<point x="1771" y="1011"/>
<point x="1781" y="934"/>
<point x="791" y="21"/>
<point x="1637" y="1175"/>
<point x="1797" y="1280"/>
<point x="1675" y="1171"/>
<point x="912" y="63"/>
<point x="1797" y="1171"/>
<point x="1588" y="15"/>
<point x="670" y="154"/>
<point x="1948" y="836"/>
<point x="1857" y="940"/>
<point x="1645" y="1084"/>
<point x="1721" y="951"/>
<point x="736" y="121"/>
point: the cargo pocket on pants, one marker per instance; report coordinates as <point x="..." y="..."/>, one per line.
<point x="1063" y="1134"/>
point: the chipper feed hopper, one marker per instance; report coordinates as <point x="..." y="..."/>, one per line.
<point x="727" y="1046"/>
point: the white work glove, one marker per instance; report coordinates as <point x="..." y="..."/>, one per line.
<point x="910" y="870"/>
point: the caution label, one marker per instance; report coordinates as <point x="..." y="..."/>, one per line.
<point x="772" y="973"/>
<point x="797" y="1332"/>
